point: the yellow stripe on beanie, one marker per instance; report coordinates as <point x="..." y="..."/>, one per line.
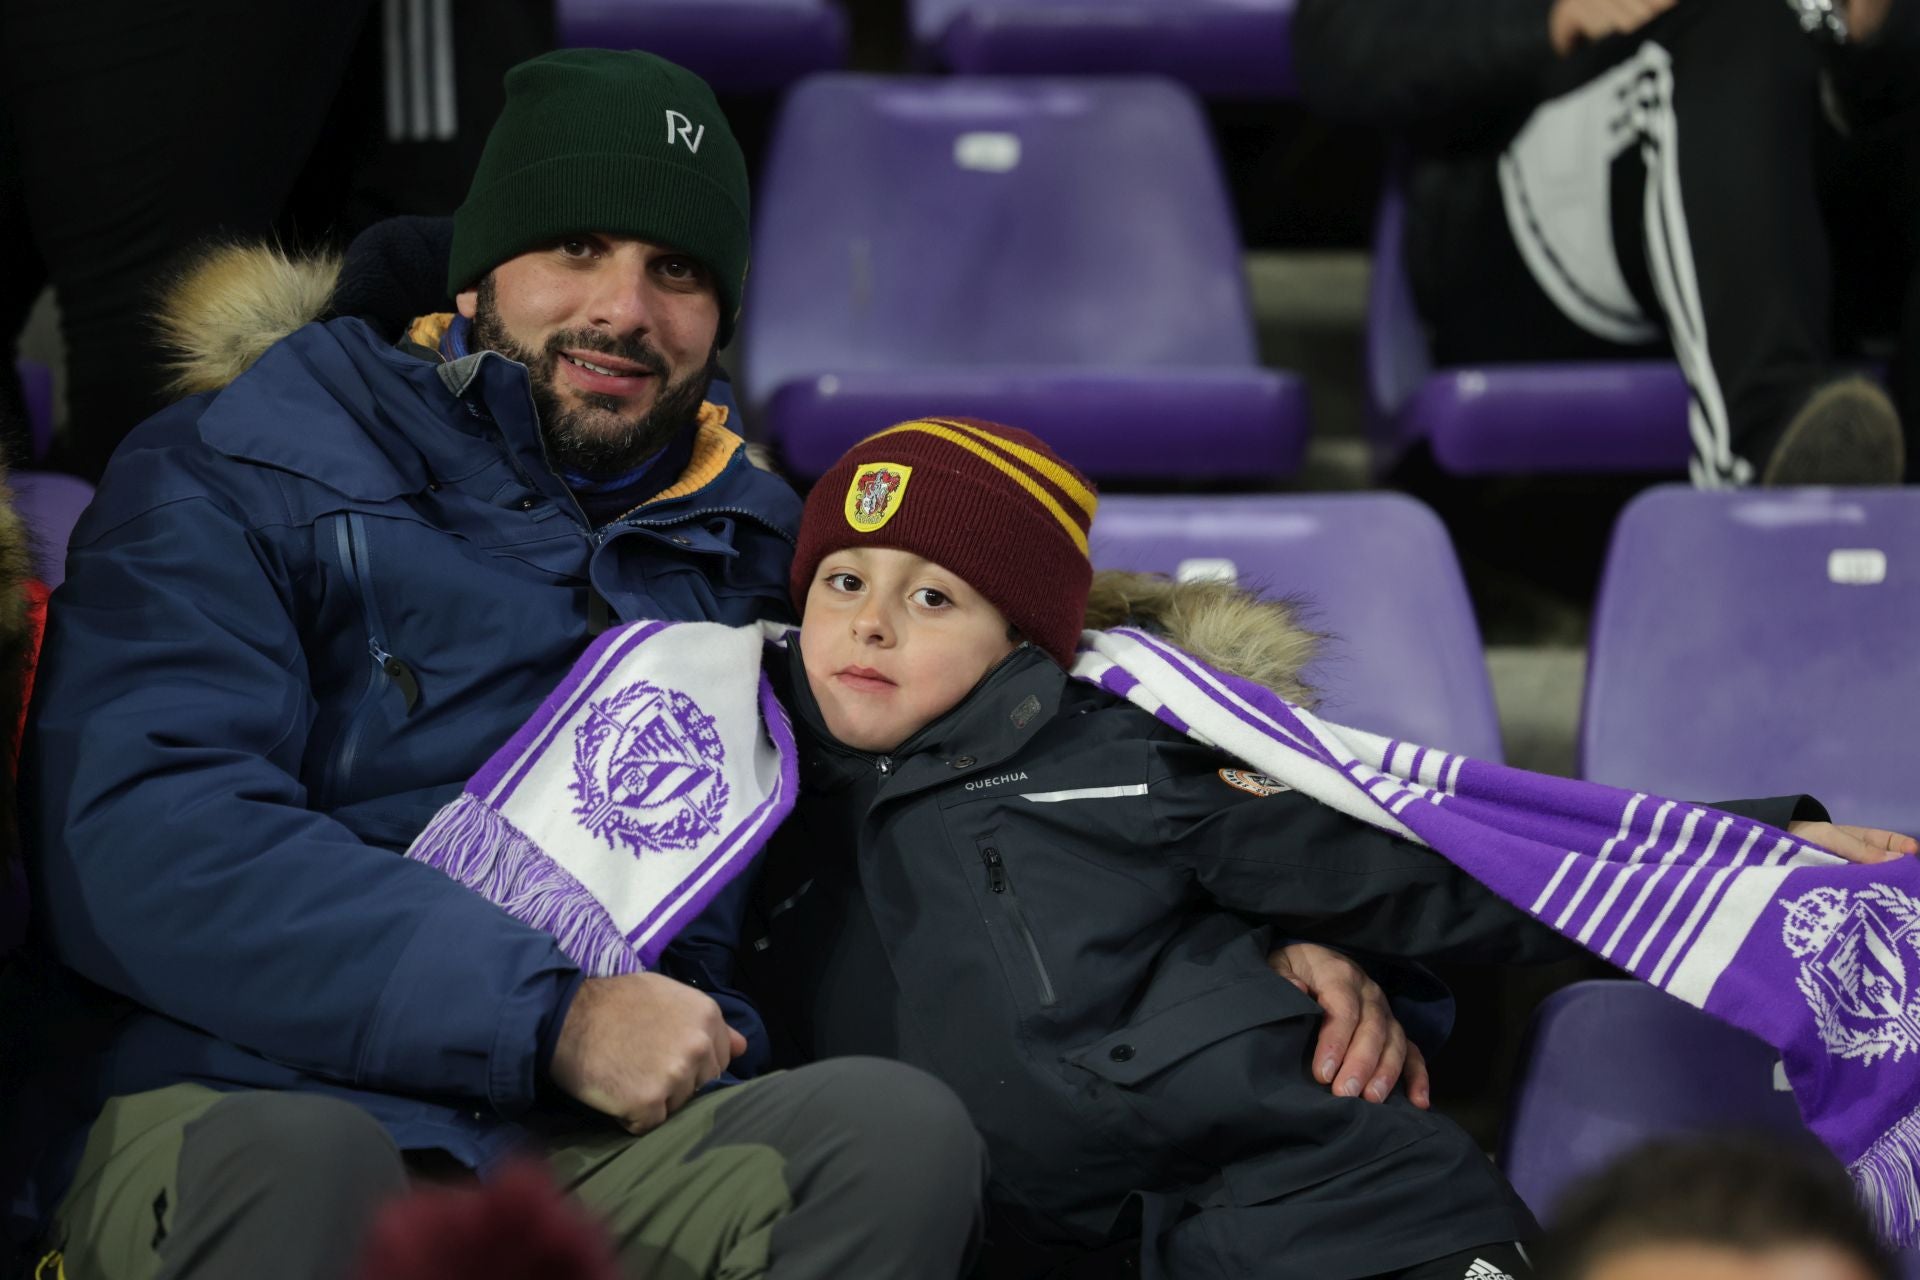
<point x="1025" y="481"/>
<point x="1062" y="479"/>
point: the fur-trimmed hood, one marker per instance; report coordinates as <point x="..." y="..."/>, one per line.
<point x="1219" y="623"/>
<point x="223" y="311"/>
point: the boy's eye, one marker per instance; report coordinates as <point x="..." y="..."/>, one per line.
<point x="843" y="581"/>
<point x="931" y="598"/>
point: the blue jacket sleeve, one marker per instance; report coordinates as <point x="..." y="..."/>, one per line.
<point x="176" y="861"/>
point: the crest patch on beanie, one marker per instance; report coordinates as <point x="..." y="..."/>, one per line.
<point x="874" y="494"/>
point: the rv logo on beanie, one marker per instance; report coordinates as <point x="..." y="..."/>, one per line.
<point x="875" y="493"/>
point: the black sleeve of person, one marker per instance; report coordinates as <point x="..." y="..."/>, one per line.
<point x="1322" y="876"/>
<point x="1408" y="64"/>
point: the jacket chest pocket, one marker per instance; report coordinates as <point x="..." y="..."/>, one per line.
<point x="1007" y="916"/>
<point x="389" y="679"/>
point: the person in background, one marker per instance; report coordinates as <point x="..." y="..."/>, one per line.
<point x="1714" y="1208"/>
<point x="134" y="131"/>
<point x="1702" y="180"/>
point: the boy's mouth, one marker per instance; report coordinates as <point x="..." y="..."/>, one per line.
<point x="865" y="679"/>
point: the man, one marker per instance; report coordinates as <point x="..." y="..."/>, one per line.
<point x="308" y="603"/>
<point x="1693" y="179"/>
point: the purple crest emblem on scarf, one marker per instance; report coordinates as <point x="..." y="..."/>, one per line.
<point x="647" y="766"/>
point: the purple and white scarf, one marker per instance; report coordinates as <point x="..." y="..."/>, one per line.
<point x="657" y="770"/>
<point x="644" y="784"/>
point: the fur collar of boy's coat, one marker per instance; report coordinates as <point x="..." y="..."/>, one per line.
<point x="1224" y="626"/>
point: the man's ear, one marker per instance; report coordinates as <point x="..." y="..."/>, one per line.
<point x="468" y="300"/>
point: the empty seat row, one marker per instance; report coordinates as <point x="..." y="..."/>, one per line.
<point x="1227" y="48"/>
<point x="1063" y="254"/>
<point x="1060" y="254"/>
<point x="1743" y="644"/>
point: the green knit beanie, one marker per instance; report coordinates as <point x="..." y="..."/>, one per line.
<point x="602" y="140"/>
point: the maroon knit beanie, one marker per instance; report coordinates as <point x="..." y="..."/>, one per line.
<point x="991" y="503"/>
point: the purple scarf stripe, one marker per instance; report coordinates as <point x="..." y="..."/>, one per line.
<point x="536" y="736"/>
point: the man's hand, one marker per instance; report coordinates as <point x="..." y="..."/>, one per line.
<point x="1865" y="18"/>
<point x="638" y="1046"/>
<point x="1572" y="23"/>
<point x="1856" y="844"/>
<point x="1362" y="1049"/>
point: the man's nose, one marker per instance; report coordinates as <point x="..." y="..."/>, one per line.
<point x="622" y="302"/>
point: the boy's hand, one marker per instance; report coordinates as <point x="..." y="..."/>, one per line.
<point x="1362" y="1049"/>
<point x="1855" y="844"/>
<point x="638" y="1046"/>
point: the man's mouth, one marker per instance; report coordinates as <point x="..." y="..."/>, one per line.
<point x="605" y="375"/>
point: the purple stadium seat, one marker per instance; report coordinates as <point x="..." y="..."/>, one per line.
<point x="1612" y="1064"/>
<point x="738" y="46"/>
<point x="1059" y="255"/>
<point x="1623" y="415"/>
<point x="1760" y="643"/>
<point x="36" y="382"/>
<point x="50" y="504"/>
<point x="1221" y="48"/>
<point x="1376" y="571"/>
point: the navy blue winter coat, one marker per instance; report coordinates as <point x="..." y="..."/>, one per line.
<point x="301" y="612"/>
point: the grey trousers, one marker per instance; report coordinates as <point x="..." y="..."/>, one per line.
<point x="851" y="1167"/>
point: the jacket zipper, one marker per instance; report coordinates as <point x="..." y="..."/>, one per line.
<point x="598" y="537"/>
<point x="350" y="544"/>
<point x="1000" y="883"/>
<point x="692" y="517"/>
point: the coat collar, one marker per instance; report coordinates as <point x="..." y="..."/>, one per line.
<point x="408" y="421"/>
<point x="993" y="723"/>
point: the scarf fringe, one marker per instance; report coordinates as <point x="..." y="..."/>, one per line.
<point x="1888" y="1177"/>
<point x="475" y="845"/>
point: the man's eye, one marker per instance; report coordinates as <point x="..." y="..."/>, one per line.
<point x="930" y="598"/>
<point x="685" y="270"/>
<point x="575" y="248"/>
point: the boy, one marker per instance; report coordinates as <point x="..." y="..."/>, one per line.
<point x="1061" y="907"/>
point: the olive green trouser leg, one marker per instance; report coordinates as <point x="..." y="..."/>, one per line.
<point x="189" y="1182"/>
<point x="850" y="1167"/>
<point x="854" y="1167"/>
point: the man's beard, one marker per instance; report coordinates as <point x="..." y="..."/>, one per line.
<point x="594" y="440"/>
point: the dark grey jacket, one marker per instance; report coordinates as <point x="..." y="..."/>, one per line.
<point x="1059" y="906"/>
